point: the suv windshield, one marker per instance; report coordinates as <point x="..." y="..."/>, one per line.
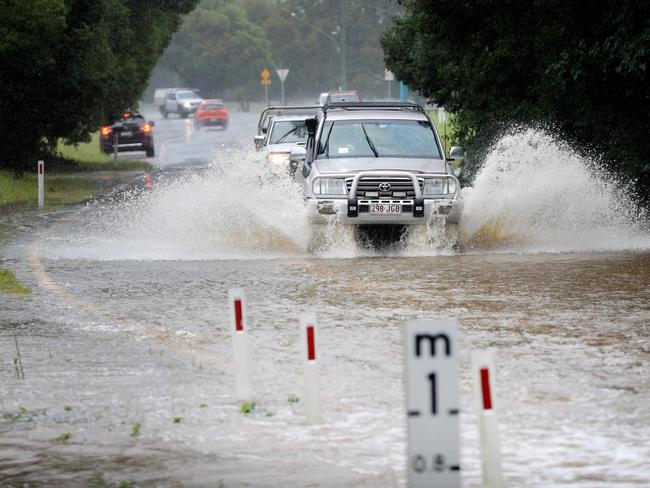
<point x="185" y="94"/>
<point x="292" y="131"/>
<point x="377" y="138"/>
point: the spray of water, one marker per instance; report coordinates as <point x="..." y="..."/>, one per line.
<point x="235" y="209"/>
<point x="533" y="194"/>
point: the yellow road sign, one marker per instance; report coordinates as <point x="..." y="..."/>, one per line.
<point x="265" y="74"/>
<point x="265" y="82"/>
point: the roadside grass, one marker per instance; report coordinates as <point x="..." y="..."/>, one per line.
<point x="87" y="152"/>
<point x="73" y="175"/>
<point x="60" y="189"/>
<point x="88" y="157"/>
<point x="9" y="283"/>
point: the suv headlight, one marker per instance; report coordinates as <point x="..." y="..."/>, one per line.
<point x="439" y="186"/>
<point x="278" y="159"/>
<point x="329" y="186"/>
<point x="187" y="105"/>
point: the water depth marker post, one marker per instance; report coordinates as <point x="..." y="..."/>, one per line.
<point x="239" y="327"/>
<point x="432" y="399"/>
<point x="483" y="373"/>
<point x="312" y="369"/>
<point x="41" y="184"/>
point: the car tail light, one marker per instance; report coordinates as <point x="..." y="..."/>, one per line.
<point x="126" y="115"/>
<point x="106" y="131"/>
<point x="146" y="128"/>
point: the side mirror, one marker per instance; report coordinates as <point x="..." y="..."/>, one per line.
<point x="152" y="123"/>
<point x="259" y="142"/>
<point x="298" y="154"/>
<point x="456" y="153"/>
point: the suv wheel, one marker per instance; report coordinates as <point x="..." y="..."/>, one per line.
<point x="150" y="152"/>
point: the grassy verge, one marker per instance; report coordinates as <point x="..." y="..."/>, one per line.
<point x="75" y="174"/>
<point x="60" y="189"/>
<point x="88" y="157"/>
<point x="9" y="283"/>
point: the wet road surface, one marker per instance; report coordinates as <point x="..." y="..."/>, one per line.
<point x="127" y="356"/>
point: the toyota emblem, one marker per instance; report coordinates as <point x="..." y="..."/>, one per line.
<point x="384" y="186"/>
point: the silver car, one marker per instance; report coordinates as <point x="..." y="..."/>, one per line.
<point x="284" y="133"/>
<point x="279" y="129"/>
<point x="377" y="163"/>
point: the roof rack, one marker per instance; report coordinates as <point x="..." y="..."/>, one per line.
<point x="282" y="110"/>
<point x="373" y="106"/>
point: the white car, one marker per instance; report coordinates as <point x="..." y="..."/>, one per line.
<point x="376" y="163"/>
<point x="280" y="129"/>
<point x="183" y="102"/>
<point x="285" y="132"/>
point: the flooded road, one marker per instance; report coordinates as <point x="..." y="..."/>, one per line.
<point x="127" y="353"/>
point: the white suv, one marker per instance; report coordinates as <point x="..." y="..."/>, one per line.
<point x="377" y="163"/>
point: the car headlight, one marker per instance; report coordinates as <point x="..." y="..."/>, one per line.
<point x="187" y="105"/>
<point x="329" y="186"/>
<point x="439" y="186"/>
<point x="278" y="159"/>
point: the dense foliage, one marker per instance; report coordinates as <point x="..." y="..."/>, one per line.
<point x="67" y="65"/>
<point x="580" y="66"/>
<point x="224" y="44"/>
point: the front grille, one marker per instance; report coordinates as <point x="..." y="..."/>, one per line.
<point x="400" y="187"/>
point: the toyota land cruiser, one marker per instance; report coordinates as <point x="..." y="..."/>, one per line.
<point x="377" y="163"/>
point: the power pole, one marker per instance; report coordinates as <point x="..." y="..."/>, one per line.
<point x="342" y="45"/>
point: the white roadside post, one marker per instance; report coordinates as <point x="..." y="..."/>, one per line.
<point x="432" y="399"/>
<point x="239" y="327"/>
<point x="312" y="370"/>
<point x="282" y="74"/>
<point x="389" y="77"/>
<point x="41" y="184"/>
<point x="483" y="372"/>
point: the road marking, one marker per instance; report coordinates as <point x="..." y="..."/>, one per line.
<point x="157" y="333"/>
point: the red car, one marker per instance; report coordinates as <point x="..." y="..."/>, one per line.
<point x="211" y="112"/>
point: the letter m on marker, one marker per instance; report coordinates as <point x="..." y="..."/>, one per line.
<point x="432" y="339"/>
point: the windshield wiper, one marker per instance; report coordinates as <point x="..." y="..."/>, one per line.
<point x="286" y="135"/>
<point x="372" y="146"/>
<point x="327" y="141"/>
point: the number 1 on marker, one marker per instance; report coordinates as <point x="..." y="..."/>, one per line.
<point x="434" y="401"/>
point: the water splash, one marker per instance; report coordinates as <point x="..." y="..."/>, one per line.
<point x="535" y="194"/>
<point x="235" y="209"/>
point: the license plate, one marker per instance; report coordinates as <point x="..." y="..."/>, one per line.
<point x="126" y="133"/>
<point x="385" y="208"/>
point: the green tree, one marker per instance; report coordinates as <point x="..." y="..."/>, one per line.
<point x="312" y="37"/>
<point x="223" y="46"/>
<point x="219" y="49"/>
<point x="67" y="65"/>
<point x="580" y="66"/>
